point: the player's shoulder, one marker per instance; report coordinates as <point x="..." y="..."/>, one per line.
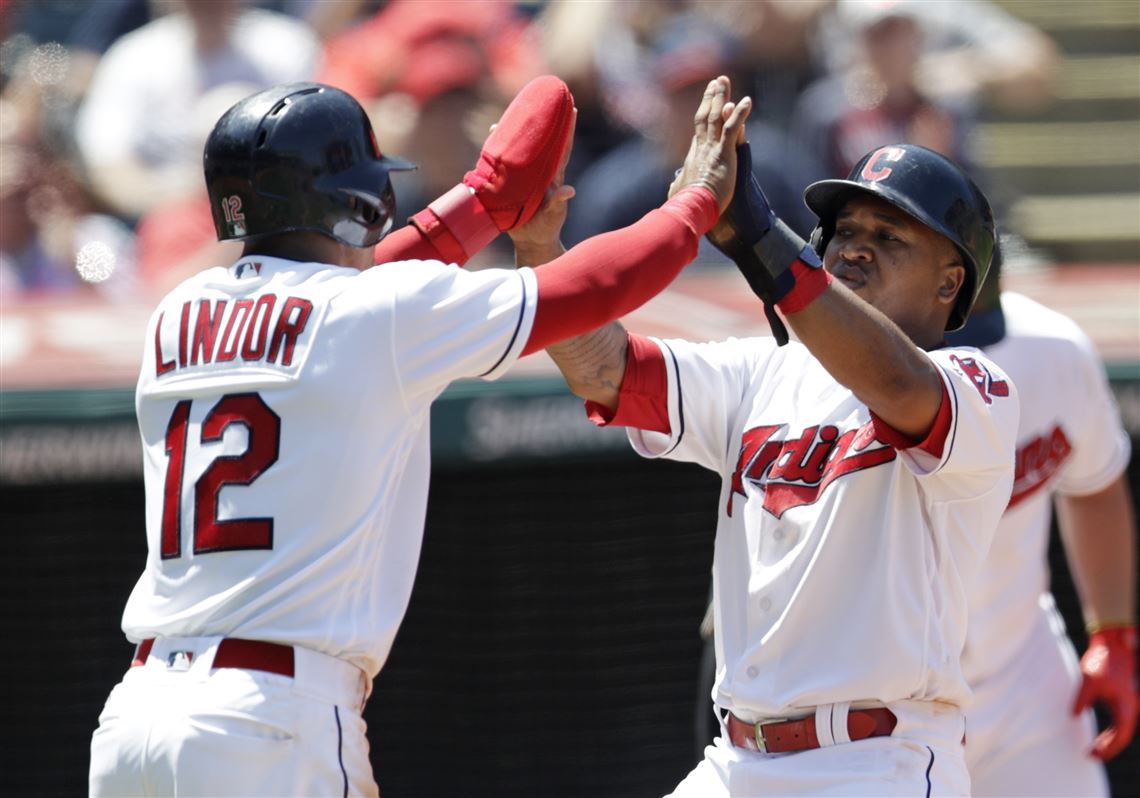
<point x="750" y="347"/>
<point x="431" y="279"/>
<point x="970" y="366"/>
<point x="1029" y="318"/>
<point x="194" y="285"/>
<point x="1034" y="330"/>
<point x="754" y="359"/>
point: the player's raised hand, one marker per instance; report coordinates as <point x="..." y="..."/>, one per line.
<point x="511" y="177"/>
<point x="718" y="127"/>
<point x="1108" y="676"/>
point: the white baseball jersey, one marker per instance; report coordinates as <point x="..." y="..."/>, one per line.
<point x="841" y="562"/>
<point x="284" y="411"/>
<point x="1070" y="440"/>
<point x="1023" y="739"/>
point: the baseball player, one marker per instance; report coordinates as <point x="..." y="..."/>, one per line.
<point x="1030" y="727"/>
<point x="284" y="403"/>
<point x="863" y="469"/>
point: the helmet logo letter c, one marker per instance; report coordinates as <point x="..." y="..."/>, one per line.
<point x="873" y="172"/>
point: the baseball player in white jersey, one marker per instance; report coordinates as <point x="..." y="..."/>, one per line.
<point x="864" y="469"/>
<point x="1030" y="727"/>
<point x="284" y="402"/>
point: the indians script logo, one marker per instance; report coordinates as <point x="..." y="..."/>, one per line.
<point x="795" y="472"/>
<point x="1037" y="461"/>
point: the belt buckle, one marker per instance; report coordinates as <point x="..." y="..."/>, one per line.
<point x="758" y="729"/>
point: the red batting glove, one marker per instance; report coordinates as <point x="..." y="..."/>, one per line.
<point x="1108" y="669"/>
<point x="518" y="162"/>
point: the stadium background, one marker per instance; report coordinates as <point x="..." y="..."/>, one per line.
<point x="551" y="644"/>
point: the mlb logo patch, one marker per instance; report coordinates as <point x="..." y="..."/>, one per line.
<point x="179" y="660"/>
<point x="249" y="268"/>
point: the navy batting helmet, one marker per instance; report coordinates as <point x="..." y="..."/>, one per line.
<point x="299" y="157"/>
<point x="927" y="186"/>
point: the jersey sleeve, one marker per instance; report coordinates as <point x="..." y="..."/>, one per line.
<point x="449" y="323"/>
<point x="706" y="385"/>
<point x="979" y="448"/>
<point x="1101" y="446"/>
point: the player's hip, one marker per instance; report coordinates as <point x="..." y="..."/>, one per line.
<point x="180" y="661"/>
<point x="232" y="719"/>
<point x="1027" y="705"/>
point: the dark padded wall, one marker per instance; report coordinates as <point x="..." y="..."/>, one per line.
<point x="550" y="649"/>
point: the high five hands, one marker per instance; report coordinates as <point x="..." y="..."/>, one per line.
<point x="718" y="127"/>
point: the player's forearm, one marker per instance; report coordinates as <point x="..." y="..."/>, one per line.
<point x="594" y="363"/>
<point x="1099" y="533"/>
<point x="609" y="275"/>
<point x="866" y="352"/>
<point x="408" y="243"/>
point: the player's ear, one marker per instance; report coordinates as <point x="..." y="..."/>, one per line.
<point x="952" y="278"/>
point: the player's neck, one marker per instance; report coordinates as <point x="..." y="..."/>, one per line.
<point x="310" y="247"/>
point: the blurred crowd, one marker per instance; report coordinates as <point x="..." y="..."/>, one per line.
<point x="105" y="105"/>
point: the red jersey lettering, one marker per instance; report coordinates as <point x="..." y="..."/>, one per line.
<point x="792" y="473"/>
<point x="1037" y="461"/>
<point x="222" y="329"/>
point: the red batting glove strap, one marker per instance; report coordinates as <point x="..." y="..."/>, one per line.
<point x="810" y="283"/>
<point x="457" y="223"/>
<point x="1108" y="671"/>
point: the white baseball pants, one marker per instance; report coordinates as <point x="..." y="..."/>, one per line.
<point x="176" y="727"/>
<point x="1021" y="738"/>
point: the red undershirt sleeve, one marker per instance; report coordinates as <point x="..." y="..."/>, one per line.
<point x="644" y="399"/>
<point x="609" y="275"/>
<point x="934" y="441"/>
<point x="408" y="243"/>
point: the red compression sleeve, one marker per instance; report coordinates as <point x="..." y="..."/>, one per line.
<point x="644" y="398"/>
<point x="934" y="441"/>
<point x="408" y="243"/>
<point x="611" y="274"/>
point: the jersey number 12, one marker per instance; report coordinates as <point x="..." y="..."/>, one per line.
<point x="210" y="532"/>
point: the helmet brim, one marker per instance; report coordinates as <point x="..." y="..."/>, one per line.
<point x="826" y="199"/>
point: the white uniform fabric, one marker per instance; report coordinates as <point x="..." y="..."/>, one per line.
<point x="1070" y="440"/>
<point x="922" y="757"/>
<point x="135" y="110"/>
<point x="186" y="729"/>
<point x="284" y="410"/>
<point x="841" y="563"/>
